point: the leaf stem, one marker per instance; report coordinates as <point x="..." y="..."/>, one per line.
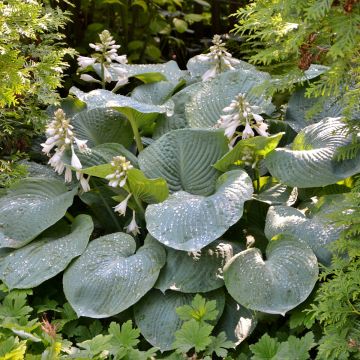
<point x="140" y="205"/>
<point x="257" y="179"/>
<point x="102" y="75"/>
<point x="69" y="217"/>
<point x="136" y="133"/>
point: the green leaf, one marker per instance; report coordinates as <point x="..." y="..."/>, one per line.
<point x="125" y="336"/>
<point x="180" y="25"/>
<point x="265" y="349"/>
<point x="249" y="150"/>
<point x="155" y="93"/>
<point x="151" y="191"/>
<point x="155" y="315"/>
<point x="110" y="277"/>
<point x="102" y="125"/>
<point x="218" y="345"/>
<point x="98" y="346"/>
<point x="299" y="106"/>
<point x="193" y="334"/>
<point x="276" y="285"/>
<point x="237" y="321"/>
<point x="199" y="310"/>
<point x="12" y="349"/>
<point x="46" y="256"/>
<point x="314" y="229"/>
<point x="14" y="307"/>
<point x="29" y="207"/>
<point x="310" y="162"/>
<point x="190" y="222"/>
<point x="172" y="158"/>
<point x="206" y="106"/>
<point x="196" y="272"/>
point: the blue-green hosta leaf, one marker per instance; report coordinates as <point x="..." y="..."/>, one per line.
<point x="316" y="230"/>
<point x="102" y="125"/>
<point x="299" y="105"/>
<point x="275" y="285"/>
<point x="184" y="159"/>
<point x="29" y="207"/>
<point x="189" y="222"/>
<point x="310" y="162"/>
<point x="206" y="106"/>
<point x="155" y="93"/>
<point x="248" y="151"/>
<point x="35" y="170"/>
<point x="155" y="315"/>
<point x="106" y="99"/>
<point x="111" y="275"/>
<point x="237" y="321"/>
<point x="168" y="71"/>
<point x="196" y="272"/>
<point x="177" y="120"/>
<point x="198" y="67"/>
<point x="47" y="256"/>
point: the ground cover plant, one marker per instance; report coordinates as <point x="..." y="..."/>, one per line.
<point x="162" y="183"/>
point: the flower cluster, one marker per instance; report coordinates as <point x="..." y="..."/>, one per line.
<point x="240" y="112"/>
<point x="106" y="53"/>
<point x="219" y="58"/>
<point x="60" y="136"/>
<point x="120" y="168"/>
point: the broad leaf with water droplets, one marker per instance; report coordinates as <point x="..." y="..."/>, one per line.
<point x="310" y="161"/>
<point x="275" y="285"/>
<point x="31" y="206"/>
<point x="47" y="256"/>
<point x="111" y="275"/>
<point x="190" y="222"/>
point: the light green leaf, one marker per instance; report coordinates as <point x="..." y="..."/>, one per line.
<point x="102" y="125"/>
<point x="184" y="158"/>
<point x="155" y="315"/>
<point x="200" y="310"/>
<point x="110" y="277"/>
<point x="125" y="336"/>
<point x="193" y="334"/>
<point x="190" y="222"/>
<point x="310" y="162"/>
<point x="196" y="272"/>
<point x="46" y="256"/>
<point x="248" y="151"/>
<point x="180" y="25"/>
<point x="314" y="229"/>
<point x="299" y="106"/>
<point x="218" y="345"/>
<point x="29" y="207"/>
<point x="265" y="349"/>
<point x="206" y="106"/>
<point x="276" y="285"/>
<point x="237" y="321"/>
<point x="151" y="191"/>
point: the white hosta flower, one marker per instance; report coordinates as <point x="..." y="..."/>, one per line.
<point x="89" y="78"/>
<point x="81" y="145"/>
<point x="121" y="208"/>
<point x="68" y="174"/>
<point x="219" y="58"/>
<point x="120" y="167"/>
<point x="75" y="161"/>
<point x="84" y="183"/>
<point x="132" y="227"/>
<point x="240" y="113"/>
<point x="84" y="62"/>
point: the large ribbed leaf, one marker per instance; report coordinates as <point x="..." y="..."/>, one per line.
<point x="177" y="120"/>
<point x="237" y="321"/>
<point x="155" y="93"/>
<point x="299" y="106"/>
<point x="190" y="222"/>
<point x="155" y="315"/>
<point x="316" y="230"/>
<point x="275" y="285"/>
<point x="196" y="272"/>
<point x="47" y="256"/>
<point x="30" y="207"/>
<point x="184" y="159"/>
<point x="100" y="126"/>
<point x="310" y="162"/>
<point x="110" y="277"/>
<point x="206" y="106"/>
<point x="106" y="99"/>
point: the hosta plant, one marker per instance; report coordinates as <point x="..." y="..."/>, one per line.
<point x="168" y="176"/>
